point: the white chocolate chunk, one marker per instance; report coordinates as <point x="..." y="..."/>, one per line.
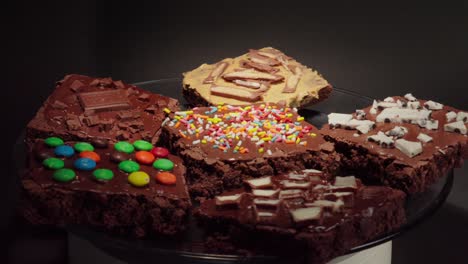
<point x="305" y="214"/>
<point x="296" y="176"/>
<point x="433" y="105"/>
<point x="462" y="116"/>
<point x="339" y="119"/>
<point x="360" y="114"/>
<point x="424" y="138"/>
<point x="265" y="214"/>
<point x="335" y="206"/>
<point x="348" y="181"/>
<point x="387" y="104"/>
<point x="266" y="202"/>
<point x="365" y="128"/>
<point x="373" y="109"/>
<point x="397" y="131"/>
<point x="428" y="124"/>
<point x="451" y="116"/>
<point x="353" y="123"/>
<point x="458" y="127"/>
<point x="228" y="199"/>
<point x="264" y="193"/>
<point x="399" y="115"/>
<point x="414" y="105"/>
<point x="259" y="182"/>
<point x="295" y="185"/>
<point x="288" y="194"/>
<point x="409" y="148"/>
<point x="389" y="99"/>
<point x="410" y="97"/>
<point x="381" y="139"/>
<point x="312" y="171"/>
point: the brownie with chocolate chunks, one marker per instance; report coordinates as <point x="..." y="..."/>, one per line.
<point x="83" y="107"/>
<point x="223" y="145"/>
<point x="401" y="141"/>
<point x="306" y="211"/>
<point x="263" y="75"/>
<point x="102" y="197"/>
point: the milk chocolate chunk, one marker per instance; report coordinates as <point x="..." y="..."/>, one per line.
<point x="59" y="105"/>
<point x="254" y="56"/>
<point x="259" y="86"/>
<point x="76" y="85"/>
<point x="292" y="81"/>
<point x="217" y="71"/>
<point x="252" y="75"/>
<point x="109" y="100"/>
<point x="235" y="93"/>
<point x="258" y="66"/>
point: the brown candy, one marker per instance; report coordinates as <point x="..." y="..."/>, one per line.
<point x="118" y="157"/>
<point x="100" y="142"/>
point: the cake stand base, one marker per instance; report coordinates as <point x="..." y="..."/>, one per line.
<point x="381" y="254"/>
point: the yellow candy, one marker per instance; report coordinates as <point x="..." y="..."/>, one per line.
<point x="300" y="118"/>
<point x="167" y="110"/>
<point x="203" y="141"/>
<point x="139" y="178"/>
<point x="313" y="134"/>
<point x="260" y="150"/>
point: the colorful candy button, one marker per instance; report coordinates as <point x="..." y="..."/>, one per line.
<point x="103" y="174"/>
<point x="119" y="156"/>
<point x="64" y="175"/>
<point x="124" y="146"/>
<point x="83" y="146"/>
<point x="163" y="164"/>
<point x="64" y="151"/>
<point x="144" y="157"/>
<point x="160" y="152"/>
<point x="90" y="155"/>
<point x="84" y="164"/>
<point x="129" y="166"/>
<point x="138" y="178"/>
<point x="142" y="145"/>
<point x="100" y="143"/>
<point x="53" y="142"/>
<point x="41" y="155"/>
<point x="166" y="178"/>
<point x="53" y="163"/>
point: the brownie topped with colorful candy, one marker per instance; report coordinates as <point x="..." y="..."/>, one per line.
<point x="83" y="107"/>
<point x="322" y="217"/>
<point x="401" y="141"/>
<point x="128" y="188"/>
<point x="225" y="144"/>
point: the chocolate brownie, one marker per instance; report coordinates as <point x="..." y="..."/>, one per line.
<point x="223" y="145"/>
<point x="401" y="142"/>
<point x="106" y="186"/>
<point x="264" y="75"/>
<point x="83" y="107"/>
<point x="308" y="212"/>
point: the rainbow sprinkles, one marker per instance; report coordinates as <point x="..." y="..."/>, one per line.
<point x="240" y="129"/>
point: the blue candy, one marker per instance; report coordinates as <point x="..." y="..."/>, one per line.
<point x="64" y="151"/>
<point x="84" y="164"/>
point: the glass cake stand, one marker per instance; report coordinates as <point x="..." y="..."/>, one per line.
<point x="187" y="247"/>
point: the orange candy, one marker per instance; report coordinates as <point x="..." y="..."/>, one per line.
<point x="90" y="155"/>
<point x="144" y="157"/>
<point x="166" y="178"/>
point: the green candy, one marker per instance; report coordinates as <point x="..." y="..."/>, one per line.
<point x="64" y="175"/>
<point x="53" y="163"/>
<point x="103" y="174"/>
<point x="143" y="145"/>
<point x="53" y="142"/>
<point x="163" y="164"/>
<point x="124" y="146"/>
<point x="83" y="146"/>
<point x="129" y="166"/>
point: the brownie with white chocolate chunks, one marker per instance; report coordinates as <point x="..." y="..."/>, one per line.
<point x="83" y="107"/>
<point x="223" y="145"/>
<point x="323" y="218"/>
<point x="116" y="189"/>
<point x="401" y="141"/>
<point x="263" y="75"/>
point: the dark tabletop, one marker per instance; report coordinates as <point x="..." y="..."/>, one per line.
<point x="370" y="49"/>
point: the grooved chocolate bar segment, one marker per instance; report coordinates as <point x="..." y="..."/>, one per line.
<point x="104" y="101"/>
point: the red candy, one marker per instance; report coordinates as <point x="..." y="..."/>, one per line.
<point x="144" y="157"/>
<point x="90" y="155"/>
<point x="160" y="152"/>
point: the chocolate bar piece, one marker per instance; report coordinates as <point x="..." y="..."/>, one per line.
<point x="104" y="101"/>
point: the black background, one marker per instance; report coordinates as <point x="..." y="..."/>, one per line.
<point x="374" y="48"/>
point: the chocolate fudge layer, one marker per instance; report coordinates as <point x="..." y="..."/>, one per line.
<point x="83" y="107"/>
<point x="264" y="75"/>
<point x="121" y="192"/>
<point x="322" y="218"/>
<point x="401" y="142"/>
<point x="226" y="144"/>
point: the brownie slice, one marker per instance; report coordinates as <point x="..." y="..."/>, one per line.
<point x="111" y="204"/>
<point x="401" y="142"/>
<point x="226" y="144"/>
<point x="83" y="107"/>
<point x="264" y="75"/>
<point x="304" y="212"/>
